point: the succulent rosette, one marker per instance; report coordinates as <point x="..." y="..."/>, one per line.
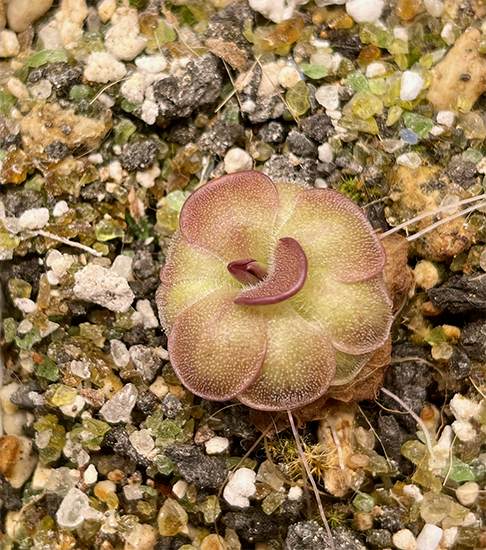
<point x="272" y="293"/>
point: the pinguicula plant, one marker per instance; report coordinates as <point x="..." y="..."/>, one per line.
<point x="272" y="293"/>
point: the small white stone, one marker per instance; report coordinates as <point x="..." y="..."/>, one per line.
<point x="464" y="430"/>
<point x="365" y="11"/>
<point x="269" y="82"/>
<point x="75" y="408"/>
<point x="463" y="408"/>
<point x="179" y="488"/>
<point x="151" y="64"/>
<point x="74" y="509"/>
<point x="437" y="130"/>
<point x="414" y="492"/>
<point x="9" y="44"/>
<point x="275" y="10"/>
<point x="295" y="493"/>
<point x="122" y="266"/>
<point x="325" y="153"/>
<point x="288" y="76"/>
<point x="217" y="445"/>
<point x="106" y="10"/>
<point x="103" y="67"/>
<point x="119" y="407"/>
<point x="17" y="88"/>
<point x="60" y="208"/>
<point x="120" y="353"/>
<point x="449" y="537"/>
<point x="51" y="36"/>
<point x="467" y="493"/>
<point x="429" y="537"/>
<point x="411" y="85"/>
<point x="375" y="70"/>
<point x="24" y="327"/>
<point x="150" y="111"/>
<point x="400" y="33"/>
<point x="411" y="160"/>
<point x="123" y="39"/>
<point x="448" y="34"/>
<point x="5" y="393"/>
<point x="328" y="97"/>
<point x="149" y="319"/>
<point x="434" y="7"/>
<point x="142" y="537"/>
<point x="404" y="540"/>
<point x="159" y="387"/>
<point x="132" y="492"/>
<point x="34" y="218"/>
<point x="12" y="225"/>
<point x="83" y="458"/>
<point x="99" y="285"/>
<point x="240" y="486"/>
<point x="133" y="89"/>
<point x="26" y="305"/>
<point x="147" y="177"/>
<point x="96" y="158"/>
<point x="90" y="476"/>
<point x="237" y="159"/>
<point x="142" y="441"/>
<point x="446" y="118"/>
<point x="116" y="171"/>
<point x="41" y="477"/>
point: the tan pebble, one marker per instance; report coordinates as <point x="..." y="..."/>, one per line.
<point x="22" y="13"/>
<point x="106" y="10"/>
<point x="5" y="394"/>
<point x="213" y="542"/>
<point x="9" y="454"/>
<point x="17" y="461"/>
<point x="452" y="332"/>
<point x="448" y="84"/>
<point x="426" y="274"/>
<point x="142" y="537"/>
<point x="103" y="488"/>
<point x="363" y="521"/>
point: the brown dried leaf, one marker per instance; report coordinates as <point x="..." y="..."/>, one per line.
<point x="397" y="274"/>
<point x="229" y="52"/>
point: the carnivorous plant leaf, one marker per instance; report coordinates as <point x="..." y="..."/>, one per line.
<point x="272" y="293"/>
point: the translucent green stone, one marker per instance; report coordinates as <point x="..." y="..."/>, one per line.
<point x="18" y="288"/>
<point x="414" y="451"/>
<point x="366" y="105"/>
<point x="435" y="336"/>
<point x="10" y="329"/>
<point x="394" y="113"/>
<point x="107" y="230"/>
<point x="346" y="67"/>
<point x="168" y="218"/>
<point x="48" y="369"/>
<point x="421" y="125"/>
<point x="175" y="200"/>
<point x="165" y="466"/>
<point x="78" y="91"/>
<point x="427" y="60"/>
<point x="459" y="472"/>
<point x="168" y="429"/>
<point x="368" y="126"/>
<point x="46" y="56"/>
<point x="364" y="502"/>
<point x="26" y="343"/>
<point x="163" y="34"/>
<point x="210" y="509"/>
<point x="298" y="99"/>
<point x="378" y="86"/>
<point x="64" y="395"/>
<point x="358" y="82"/>
<point x="272" y="502"/>
<point x="472" y="155"/>
<point x="172" y="518"/>
<point x="482" y="45"/>
<point x="91" y="332"/>
<point x="398" y="47"/>
<point x="314" y="71"/>
<point x="231" y="113"/>
<point x="56" y="438"/>
<point x="123" y="130"/>
<point x="7" y="102"/>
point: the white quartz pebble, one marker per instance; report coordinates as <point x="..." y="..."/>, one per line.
<point x="411" y="85"/>
<point x="429" y="537"/>
<point x="240" y="487"/>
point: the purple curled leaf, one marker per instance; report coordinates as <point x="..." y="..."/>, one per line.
<point x="285" y="278"/>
